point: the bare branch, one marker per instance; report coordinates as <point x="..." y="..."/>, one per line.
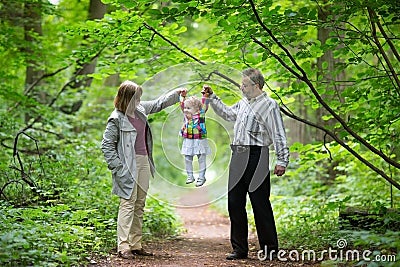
<point x="188" y="54"/>
<point x="373" y="19"/>
<point x="290" y="114"/>
<point x="5" y="186"/>
<point x="306" y="80"/>
<point x="29" y="89"/>
<point x="343" y="144"/>
<point x="46" y="75"/>
<point x="173" y="44"/>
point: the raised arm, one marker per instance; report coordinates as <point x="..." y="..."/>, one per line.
<point x="222" y="110"/>
<point x="205" y="103"/>
<point x="163" y="101"/>
<point x="183" y="98"/>
<point x="182" y="103"/>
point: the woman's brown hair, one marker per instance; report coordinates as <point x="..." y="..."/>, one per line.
<point x="128" y="92"/>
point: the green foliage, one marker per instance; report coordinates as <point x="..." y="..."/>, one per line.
<point x="160" y="220"/>
<point x="75" y="220"/>
<point x="50" y="236"/>
<point x="307" y="222"/>
<point x="80" y="217"/>
<point x="307" y="204"/>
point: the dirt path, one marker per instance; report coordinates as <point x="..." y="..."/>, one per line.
<point x="205" y="243"/>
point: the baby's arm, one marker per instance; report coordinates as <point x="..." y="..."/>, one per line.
<point x="183" y="95"/>
<point x="182" y="104"/>
<point x="204" y="99"/>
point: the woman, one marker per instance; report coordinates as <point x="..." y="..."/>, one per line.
<point x="127" y="146"/>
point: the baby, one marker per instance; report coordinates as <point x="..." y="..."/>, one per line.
<point x="194" y="135"/>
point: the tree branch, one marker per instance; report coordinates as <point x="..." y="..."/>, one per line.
<point x="46" y="75"/>
<point x="387" y="38"/>
<point x="290" y="114"/>
<point x="306" y="80"/>
<point x="343" y="144"/>
<point x="31" y="86"/>
<point x="5" y="186"/>
<point x="173" y="44"/>
<point x="373" y="19"/>
<point x="65" y="86"/>
<point x="188" y="54"/>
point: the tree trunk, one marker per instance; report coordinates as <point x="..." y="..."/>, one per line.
<point x="97" y="10"/>
<point x="32" y="27"/>
<point x="297" y="131"/>
<point x="326" y="65"/>
<point x="327" y="57"/>
<point x="32" y="18"/>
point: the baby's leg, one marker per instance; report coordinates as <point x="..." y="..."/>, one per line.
<point x="202" y="170"/>
<point x="189" y="168"/>
<point x="202" y="165"/>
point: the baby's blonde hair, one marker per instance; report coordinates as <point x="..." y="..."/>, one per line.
<point x="194" y="102"/>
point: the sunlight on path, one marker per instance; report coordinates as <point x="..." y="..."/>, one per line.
<point x="202" y="222"/>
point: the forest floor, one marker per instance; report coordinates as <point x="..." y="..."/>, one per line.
<point x="204" y="243"/>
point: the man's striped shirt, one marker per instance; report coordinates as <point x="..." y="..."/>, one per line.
<point x="257" y="122"/>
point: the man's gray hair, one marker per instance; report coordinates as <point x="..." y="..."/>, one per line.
<point x="255" y="76"/>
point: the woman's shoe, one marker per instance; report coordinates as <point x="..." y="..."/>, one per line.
<point x="127" y="255"/>
<point x="142" y="252"/>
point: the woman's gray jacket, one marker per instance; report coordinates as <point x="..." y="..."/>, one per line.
<point x="118" y="144"/>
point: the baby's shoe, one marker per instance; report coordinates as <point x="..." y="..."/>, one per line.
<point x="200" y="181"/>
<point x="190" y="180"/>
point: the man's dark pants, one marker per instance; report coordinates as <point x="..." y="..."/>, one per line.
<point x="249" y="173"/>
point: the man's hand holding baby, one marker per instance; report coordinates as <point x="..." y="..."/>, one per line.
<point x="207" y="91"/>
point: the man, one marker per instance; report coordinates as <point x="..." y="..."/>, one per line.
<point x="258" y="124"/>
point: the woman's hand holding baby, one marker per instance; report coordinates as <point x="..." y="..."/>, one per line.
<point x="181" y="91"/>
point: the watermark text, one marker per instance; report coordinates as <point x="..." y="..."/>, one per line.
<point x="335" y="254"/>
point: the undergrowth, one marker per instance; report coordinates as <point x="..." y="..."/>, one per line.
<point x="76" y="220"/>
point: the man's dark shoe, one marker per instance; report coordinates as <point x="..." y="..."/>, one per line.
<point x="236" y="256"/>
<point x="141" y="252"/>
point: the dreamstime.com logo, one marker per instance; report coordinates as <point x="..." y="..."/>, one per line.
<point x="340" y="254"/>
